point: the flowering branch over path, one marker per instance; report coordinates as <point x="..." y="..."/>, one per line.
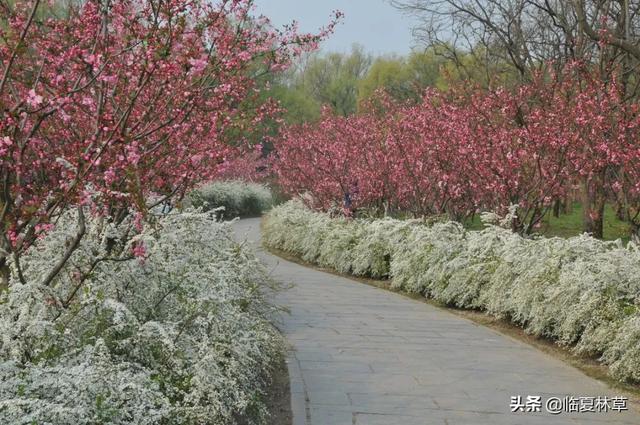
<point x="121" y="98"/>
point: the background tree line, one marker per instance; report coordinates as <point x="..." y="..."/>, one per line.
<point x="345" y="81"/>
<point x="490" y="45"/>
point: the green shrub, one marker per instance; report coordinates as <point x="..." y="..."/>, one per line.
<point x="238" y="198"/>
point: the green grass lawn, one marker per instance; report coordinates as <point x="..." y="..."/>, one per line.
<point x="568" y="225"/>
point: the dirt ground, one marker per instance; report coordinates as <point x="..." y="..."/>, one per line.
<point x="279" y="396"/>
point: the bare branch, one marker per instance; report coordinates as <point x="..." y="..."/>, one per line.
<point x="75" y="243"/>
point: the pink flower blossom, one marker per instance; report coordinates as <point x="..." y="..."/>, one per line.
<point x="34" y="99"/>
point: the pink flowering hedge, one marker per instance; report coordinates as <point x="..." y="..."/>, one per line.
<point x="472" y="149"/>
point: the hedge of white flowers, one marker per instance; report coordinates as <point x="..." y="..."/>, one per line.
<point x="581" y="292"/>
<point x="179" y="337"/>
<point x="238" y="198"/>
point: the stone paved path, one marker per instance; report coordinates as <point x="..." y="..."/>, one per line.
<point x="366" y="356"/>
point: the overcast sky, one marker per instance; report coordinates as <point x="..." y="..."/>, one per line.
<point x="372" y="23"/>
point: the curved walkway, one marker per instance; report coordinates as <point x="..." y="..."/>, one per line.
<point x="366" y="356"/>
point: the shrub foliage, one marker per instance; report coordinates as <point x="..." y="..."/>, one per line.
<point x="175" y="336"/>
<point x="238" y="198"/>
<point x="581" y="292"/>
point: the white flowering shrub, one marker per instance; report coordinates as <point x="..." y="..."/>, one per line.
<point x="238" y="198"/>
<point x="180" y="337"/>
<point x="581" y="292"/>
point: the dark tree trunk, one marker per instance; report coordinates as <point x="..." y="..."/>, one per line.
<point x="556" y="208"/>
<point x="593" y="202"/>
<point x="567" y="204"/>
<point x="5" y="273"/>
<point x="635" y="232"/>
<point x="621" y="211"/>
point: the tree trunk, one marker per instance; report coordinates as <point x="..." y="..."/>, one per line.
<point x="621" y="211"/>
<point x="567" y="204"/>
<point x="593" y="201"/>
<point x="593" y="225"/>
<point x="556" y="208"/>
<point x="5" y="273"/>
<point x="635" y="233"/>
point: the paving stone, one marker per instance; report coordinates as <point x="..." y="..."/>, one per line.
<point x="330" y="416"/>
<point x="365" y="356"/>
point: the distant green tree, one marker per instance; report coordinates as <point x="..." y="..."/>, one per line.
<point x="332" y="79"/>
<point x="298" y="106"/>
<point x="392" y="74"/>
<point x="345" y="81"/>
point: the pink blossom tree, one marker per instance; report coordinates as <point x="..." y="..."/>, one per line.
<point x="472" y="149"/>
<point x="119" y="99"/>
<point x="596" y="123"/>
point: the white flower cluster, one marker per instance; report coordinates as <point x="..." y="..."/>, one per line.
<point x="180" y="337"/>
<point x="238" y="198"/>
<point x="581" y="292"/>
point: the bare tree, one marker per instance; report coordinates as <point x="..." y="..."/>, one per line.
<point x="533" y="34"/>
<point x="529" y="34"/>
